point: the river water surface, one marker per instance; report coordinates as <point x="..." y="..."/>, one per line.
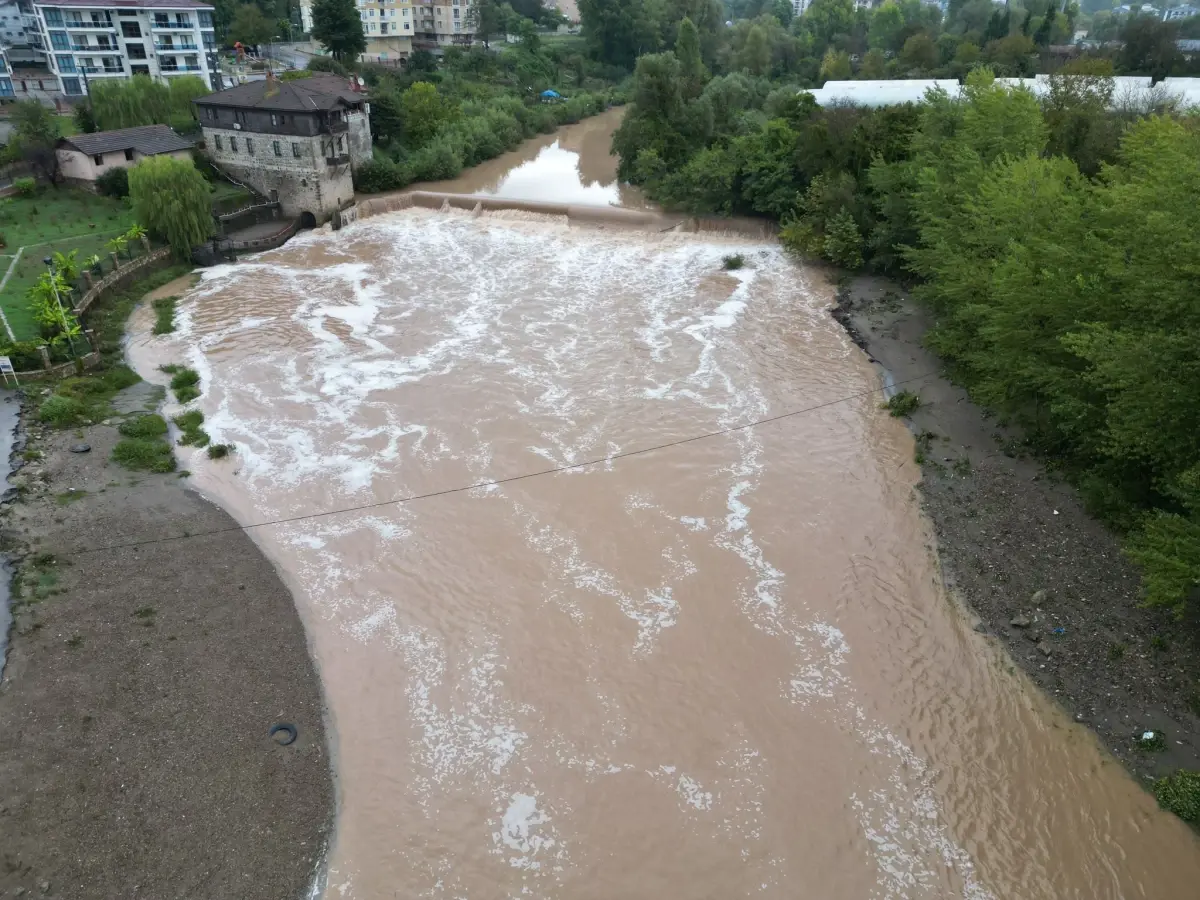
<point x="724" y="668"/>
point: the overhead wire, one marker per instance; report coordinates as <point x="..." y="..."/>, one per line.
<point x="496" y="482"/>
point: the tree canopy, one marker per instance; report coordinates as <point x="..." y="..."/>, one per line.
<point x="336" y="24"/>
<point x="172" y="201"/>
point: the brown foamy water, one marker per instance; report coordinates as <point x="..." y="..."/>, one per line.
<point x="720" y="669"/>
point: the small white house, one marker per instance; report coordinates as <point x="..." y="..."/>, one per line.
<point x="1177" y="13"/>
<point x="83" y="158"/>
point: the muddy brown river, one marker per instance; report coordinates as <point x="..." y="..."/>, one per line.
<point x="723" y="668"/>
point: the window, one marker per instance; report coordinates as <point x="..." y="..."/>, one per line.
<point x="135" y="51"/>
<point x="250" y="146"/>
<point x="217" y="141"/>
<point x="128" y="156"/>
<point x="191" y="63"/>
<point x="383" y="27"/>
<point x="66" y="64"/>
<point x="160" y="20"/>
<point x="131" y="29"/>
<point x="274" y="120"/>
<point x="71" y="86"/>
<point x="239" y="115"/>
<point x="233" y="145"/>
<point x="206" y="20"/>
<point x="278" y="149"/>
<point x="406" y="26"/>
<point x="296" y="150"/>
<point x="98" y="159"/>
<point x="456" y="13"/>
<point x="139" y="70"/>
<point x="373" y="28"/>
<point x="6" y="87"/>
<point x="59" y="40"/>
<point x="210" y="40"/>
<point x="53" y="16"/>
<point x="211" y="113"/>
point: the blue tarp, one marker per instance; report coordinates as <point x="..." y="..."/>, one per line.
<point x="551" y="94"/>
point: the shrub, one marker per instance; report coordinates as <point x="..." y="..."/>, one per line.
<point x="843" y="243"/>
<point x="62" y="411"/>
<point x="114" y="183"/>
<point x="220" y="451"/>
<point x="184" y="382"/>
<point x="903" y="404"/>
<point x="733" y="262"/>
<point x="143" y="455"/>
<point x="1180" y="793"/>
<point x="26" y="187"/>
<point x="189" y="423"/>
<point x="164" y="315"/>
<point x="437" y="161"/>
<point x="377" y="176"/>
<point x="150" y="426"/>
<point x="24" y="355"/>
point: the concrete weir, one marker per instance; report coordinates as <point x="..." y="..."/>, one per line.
<point x="575" y="213"/>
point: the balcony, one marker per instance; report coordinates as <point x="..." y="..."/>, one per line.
<point x="172" y="25"/>
<point x="170" y="70"/>
<point x="340" y="160"/>
<point x="107" y="70"/>
<point x="81" y="24"/>
<point x="94" y="48"/>
<point x="170" y="47"/>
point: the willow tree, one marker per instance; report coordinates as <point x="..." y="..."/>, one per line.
<point x="140" y="100"/>
<point x="171" y="200"/>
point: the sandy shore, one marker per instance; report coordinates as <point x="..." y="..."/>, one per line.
<point x="140" y="688"/>
<point x="1015" y="543"/>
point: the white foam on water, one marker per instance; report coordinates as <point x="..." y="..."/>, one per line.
<point x="467" y="733"/>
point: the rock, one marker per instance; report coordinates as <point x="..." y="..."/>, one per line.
<point x="1034" y="636"/>
<point x="980" y="628"/>
<point x="1021" y="621"/>
<point x="19" y="892"/>
<point x="1038" y="598"/>
<point x="1045" y="648"/>
<point x="81" y="448"/>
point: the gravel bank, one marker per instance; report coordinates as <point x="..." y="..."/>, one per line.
<point x="1017" y="547"/>
<point x="140" y="688"/>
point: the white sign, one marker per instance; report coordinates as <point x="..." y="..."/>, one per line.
<point x="6" y="366"/>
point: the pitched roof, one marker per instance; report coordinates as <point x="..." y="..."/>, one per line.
<point x="149" y="140"/>
<point x="317" y="92"/>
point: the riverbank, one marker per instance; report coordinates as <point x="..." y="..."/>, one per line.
<point x="141" y="684"/>
<point x="1046" y="580"/>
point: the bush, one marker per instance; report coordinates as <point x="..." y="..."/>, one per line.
<point x="437" y="160"/>
<point x="150" y="426"/>
<point x="189" y="423"/>
<point x="733" y="262"/>
<point x="24" y="355"/>
<point x="1180" y="794"/>
<point x="220" y="451"/>
<point x="26" y="187"/>
<point x="114" y="183"/>
<point x="903" y="404"/>
<point x="62" y="411"/>
<point x="143" y="455"/>
<point x="164" y="315"/>
<point x="843" y="243"/>
<point x="379" y="175"/>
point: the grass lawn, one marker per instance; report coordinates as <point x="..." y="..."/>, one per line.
<point x="67" y="126"/>
<point x="54" y="220"/>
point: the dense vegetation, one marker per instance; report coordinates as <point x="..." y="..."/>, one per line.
<point x="1054" y="240"/>
<point x="432" y="121"/>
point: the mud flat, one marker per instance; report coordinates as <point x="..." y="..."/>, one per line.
<point x="140" y="687"/>
<point x="1016" y="544"/>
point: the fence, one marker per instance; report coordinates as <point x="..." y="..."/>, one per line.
<point x="116" y="276"/>
<point x="270" y="242"/>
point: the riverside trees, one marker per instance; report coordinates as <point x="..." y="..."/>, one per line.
<point x="1054" y="242"/>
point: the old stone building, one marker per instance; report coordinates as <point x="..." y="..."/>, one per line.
<point x="292" y="141"/>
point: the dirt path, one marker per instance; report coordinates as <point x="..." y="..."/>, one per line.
<point x="1015" y="543"/>
<point x="140" y="688"/>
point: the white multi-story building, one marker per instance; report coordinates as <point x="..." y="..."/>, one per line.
<point x="394" y="28"/>
<point x="89" y="39"/>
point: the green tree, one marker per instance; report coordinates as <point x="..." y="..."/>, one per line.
<point x="250" y="26"/>
<point x="83" y="118"/>
<point x="425" y="113"/>
<point x="755" y="56"/>
<point x="337" y="26"/>
<point x="1149" y="47"/>
<point x="484" y="20"/>
<point x="836" y="65"/>
<point x="171" y="200"/>
<point x="919" y="53"/>
<point x="828" y="19"/>
<point x="691" y="66"/>
<point x="873" y="65"/>
<point x="387" y="116"/>
<point x="142" y="101"/>
<point x="618" y="31"/>
<point x="656" y="118"/>
<point x="886" y="31"/>
<point x="35" y="134"/>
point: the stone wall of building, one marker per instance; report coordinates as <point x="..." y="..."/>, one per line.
<point x="298" y="176"/>
<point x="360" y="137"/>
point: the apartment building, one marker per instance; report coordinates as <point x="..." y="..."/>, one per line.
<point x="394" y="28"/>
<point x="85" y="40"/>
<point x="19" y="32"/>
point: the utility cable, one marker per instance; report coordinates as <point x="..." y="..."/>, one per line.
<point x="496" y="482"/>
